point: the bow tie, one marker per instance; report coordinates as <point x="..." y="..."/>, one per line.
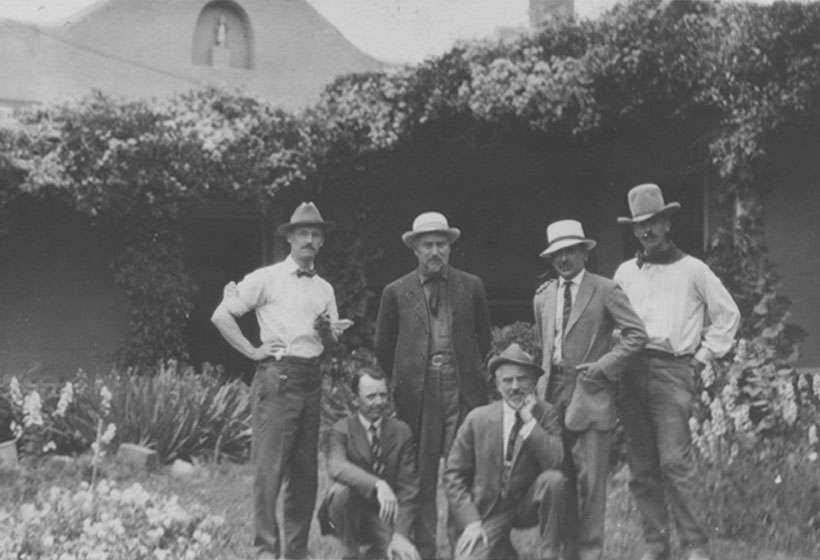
<point x="302" y="273"/>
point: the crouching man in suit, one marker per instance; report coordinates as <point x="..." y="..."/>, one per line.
<point x="503" y="471"/>
<point x="371" y="461"/>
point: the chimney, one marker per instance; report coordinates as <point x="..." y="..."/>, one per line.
<point x="543" y="9"/>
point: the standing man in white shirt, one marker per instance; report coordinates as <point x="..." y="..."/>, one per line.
<point x="690" y="319"/>
<point x="297" y="315"/>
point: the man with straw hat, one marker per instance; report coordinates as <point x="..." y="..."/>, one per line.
<point x="297" y="316"/>
<point x="690" y="319"/>
<point x="575" y="317"/>
<point x="432" y="334"/>
<point x="503" y="471"/>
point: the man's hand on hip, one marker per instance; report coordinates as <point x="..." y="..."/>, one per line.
<point x="593" y="377"/>
<point x="264" y="351"/>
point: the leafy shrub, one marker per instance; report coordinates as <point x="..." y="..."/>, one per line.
<point x="521" y="332"/>
<point x="178" y="414"/>
<point x="109" y="522"/>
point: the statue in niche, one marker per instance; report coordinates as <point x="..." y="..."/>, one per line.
<point x="221" y="32"/>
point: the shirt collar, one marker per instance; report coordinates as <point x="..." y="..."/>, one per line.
<point x="291" y="265"/>
<point x="444" y="272"/>
<point x="576" y="280"/>
<point x="509" y="412"/>
<point x="366" y="423"/>
<point x="668" y="256"/>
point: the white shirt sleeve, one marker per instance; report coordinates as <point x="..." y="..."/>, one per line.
<point x="723" y="314"/>
<point x="250" y="294"/>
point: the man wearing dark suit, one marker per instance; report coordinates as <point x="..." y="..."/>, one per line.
<point x="575" y="318"/>
<point x="372" y="463"/>
<point x="432" y="335"/>
<point x="502" y="471"/>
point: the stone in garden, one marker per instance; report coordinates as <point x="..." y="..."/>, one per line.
<point x="182" y="468"/>
<point x="137" y="456"/>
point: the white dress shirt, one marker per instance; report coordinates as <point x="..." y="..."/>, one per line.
<point x="507" y="426"/>
<point x="685" y="308"/>
<point x="286" y="306"/>
<point x="366" y="425"/>
<point x="557" y="350"/>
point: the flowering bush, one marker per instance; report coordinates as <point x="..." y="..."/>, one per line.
<point x="108" y="522"/>
<point x="178" y="414"/>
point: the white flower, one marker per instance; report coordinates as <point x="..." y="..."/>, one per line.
<point x="109" y="434"/>
<point x="812" y="456"/>
<point x="778" y="479"/>
<point x="50" y="446"/>
<point x="32" y="410"/>
<point x="16" y="393"/>
<point x="813" y="434"/>
<point x="105" y="402"/>
<point x="66" y="398"/>
<point x="16" y="429"/>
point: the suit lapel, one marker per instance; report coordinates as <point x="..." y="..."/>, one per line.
<point x="548" y="322"/>
<point x="537" y="413"/>
<point x="414" y="294"/>
<point x="453" y="291"/>
<point x="585" y="291"/>
<point x="388" y="436"/>
<point x="495" y="447"/>
<point x="359" y="437"/>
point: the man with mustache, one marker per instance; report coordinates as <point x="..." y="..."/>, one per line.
<point x="575" y="317"/>
<point x="690" y="319"/>
<point x="432" y="333"/>
<point x="372" y="463"/>
<point x="297" y="316"/>
<point x="503" y="471"/>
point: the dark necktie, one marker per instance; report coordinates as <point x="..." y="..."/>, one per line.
<point x="303" y="273"/>
<point x="435" y="293"/>
<point x="567" y="308"/>
<point x="513" y="435"/>
<point x="377" y="466"/>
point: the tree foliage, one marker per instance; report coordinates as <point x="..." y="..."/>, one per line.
<point x="748" y="70"/>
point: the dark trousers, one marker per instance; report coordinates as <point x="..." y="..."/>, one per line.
<point x="586" y="465"/>
<point x="440" y="417"/>
<point x="355" y="521"/>
<point x="285" y="438"/>
<point x="656" y="407"/>
<point x="543" y="505"/>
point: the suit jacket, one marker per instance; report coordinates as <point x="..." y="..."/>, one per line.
<point x="600" y="307"/>
<point x="473" y="476"/>
<point x="350" y="461"/>
<point x="403" y="339"/>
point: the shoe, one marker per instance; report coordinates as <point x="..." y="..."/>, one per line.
<point x="696" y="553"/>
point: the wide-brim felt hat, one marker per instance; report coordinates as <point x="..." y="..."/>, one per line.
<point x="430" y="222"/>
<point x="645" y="202"/>
<point x="514" y="354"/>
<point x="305" y="215"/>
<point x="563" y="234"/>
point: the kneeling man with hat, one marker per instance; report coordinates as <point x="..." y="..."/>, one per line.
<point x="575" y="317"/>
<point x="503" y="471"/>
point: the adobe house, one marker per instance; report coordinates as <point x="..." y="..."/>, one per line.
<point x="59" y="308"/>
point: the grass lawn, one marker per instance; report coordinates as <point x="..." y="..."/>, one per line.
<point x="227" y="489"/>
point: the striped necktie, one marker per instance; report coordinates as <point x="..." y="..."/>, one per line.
<point x="567" y="308"/>
<point x="513" y="436"/>
<point x="377" y="466"/>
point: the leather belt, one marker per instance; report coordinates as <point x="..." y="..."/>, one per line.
<point x="297" y="360"/>
<point x="653" y="353"/>
<point x="440" y="359"/>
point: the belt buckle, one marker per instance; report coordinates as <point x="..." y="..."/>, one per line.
<point x="437" y="360"/>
